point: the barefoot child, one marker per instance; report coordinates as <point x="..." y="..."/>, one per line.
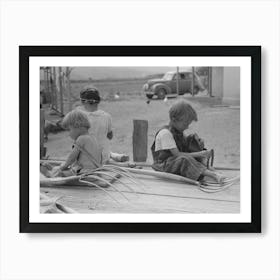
<point x="86" y="154"/>
<point x="169" y="148"/>
<point x="100" y="122"/>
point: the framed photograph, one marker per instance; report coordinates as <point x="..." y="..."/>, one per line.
<point x="140" y="139"/>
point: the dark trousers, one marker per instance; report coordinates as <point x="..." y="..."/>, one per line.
<point x="183" y="165"/>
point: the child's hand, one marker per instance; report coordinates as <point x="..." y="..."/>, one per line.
<point x="201" y="142"/>
<point x="207" y="161"/>
<point x="202" y="154"/>
<point x="207" y="153"/>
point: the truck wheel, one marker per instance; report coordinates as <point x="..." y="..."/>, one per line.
<point x="161" y="93"/>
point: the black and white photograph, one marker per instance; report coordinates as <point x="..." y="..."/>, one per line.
<point x="141" y="139"/>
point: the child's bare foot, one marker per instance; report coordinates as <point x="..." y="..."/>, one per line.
<point x="219" y="178"/>
<point x="119" y="157"/>
<point x="56" y="172"/>
<point x="211" y="168"/>
<point x="44" y="171"/>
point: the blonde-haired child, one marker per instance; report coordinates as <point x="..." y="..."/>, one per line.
<point x="170" y="151"/>
<point x="86" y="154"/>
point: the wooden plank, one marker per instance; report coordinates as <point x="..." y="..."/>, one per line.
<point x="140" y="140"/>
<point x="157" y="186"/>
<point x="158" y="196"/>
<point x="96" y="201"/>
<point x="154" y="186"/>
<point x="231" y="194"/>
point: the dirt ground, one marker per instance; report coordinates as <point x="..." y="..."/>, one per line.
<point x="217" y="124"/>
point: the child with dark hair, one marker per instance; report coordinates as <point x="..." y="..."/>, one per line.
<point x="170" y="148"/>
<point x="100" y="122"/>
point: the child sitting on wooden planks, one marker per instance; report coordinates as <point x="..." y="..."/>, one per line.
<point x="86" y="153"/>
<point x="100" y="122"/>
<point x="169" y="149"/>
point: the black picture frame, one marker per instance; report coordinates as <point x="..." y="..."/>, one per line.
<point x="254" y="52"/>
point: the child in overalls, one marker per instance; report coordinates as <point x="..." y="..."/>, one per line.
<point x="169" y="149"/>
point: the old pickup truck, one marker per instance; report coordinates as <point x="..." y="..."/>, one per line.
<point x="167" y="85"/>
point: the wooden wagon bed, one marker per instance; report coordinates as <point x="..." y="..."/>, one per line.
<point x="155" y="196"/>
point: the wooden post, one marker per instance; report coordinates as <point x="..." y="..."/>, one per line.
<point x="60" y="89"/>
<point x="177" y="84"/>
<point x="54" y="88"/>
<point x="68" y="86"/>
<point x="47" y="83"/>
<point x="192" y="81"/>
<point x="140" y="140"/>
<point x="51" y="87"/>
<point x="42" y="126"/>
<point x="210" y="81"/>
<point x="45" y="79"/>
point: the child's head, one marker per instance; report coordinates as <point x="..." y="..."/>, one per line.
<point x="181" y="115"/>
<point x="77" y="122"/>
<point x="90" y="96"/>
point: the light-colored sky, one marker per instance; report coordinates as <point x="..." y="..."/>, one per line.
<point x="117" y="72"/>
<point x="84" y="73"/>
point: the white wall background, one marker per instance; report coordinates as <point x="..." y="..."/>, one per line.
<point x="123" y="256"/>
<point x="218" y="81"/>
<point x="231" y="83"/>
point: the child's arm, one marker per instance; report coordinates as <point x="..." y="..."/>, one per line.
<point x="166" y="142"/>
<point x="71" y="158"/>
